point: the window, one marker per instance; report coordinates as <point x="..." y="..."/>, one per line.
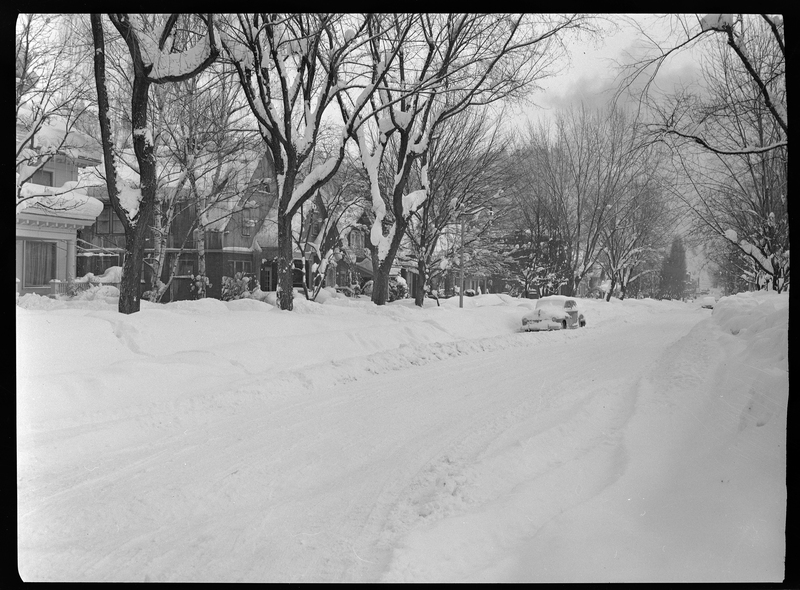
<point x="343" y="276"/>
<point x="185" y="268"/>
<point x="40" y="263"/>
<point x="213" y="240"/>
<point x="242" y="266"/>
<point x="356" y="240"/>
<point x="108" y="222"/>
<point x="266" y="278"/>
<point x="43" y="177"/>
<point x="298" y="273"/>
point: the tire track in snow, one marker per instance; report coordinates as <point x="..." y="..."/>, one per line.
<point x="561" y="446"/>
<point x="309" y="477"/>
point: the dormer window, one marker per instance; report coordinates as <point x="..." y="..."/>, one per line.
<point x="355" y="240"/>
<point x="248" y="223"/>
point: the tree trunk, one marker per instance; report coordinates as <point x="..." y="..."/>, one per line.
<point x="135" y="238"/>
<point x="159" y="250"/>
<point x="611" y="288"/>
<point x="131" y="271"/>
<point x="380" y="282"/>
<point x="419" y="295"/>
<point x="380" y="285"/>
<point x="200" y="278"/>
<point x="624" y="277"/>
<point x="132" y="263"/>
<point x="285" y="293"/>
<point x="572" y="286"/>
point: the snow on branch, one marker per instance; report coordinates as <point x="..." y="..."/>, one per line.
<point x="157" y="58"/>
<point x="716" y="22"/>
<point x="737" y="152"/>
<point x="317" y="174"/>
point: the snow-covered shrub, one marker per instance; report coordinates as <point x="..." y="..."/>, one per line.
<point x="199" y="283"/>
<point x="72" y="288"/>
<point x="235" y="287"/>
<point x="398" y="288"/>
<point x="469" y="292"/>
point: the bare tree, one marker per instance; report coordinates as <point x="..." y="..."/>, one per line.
<point x="205" y="141"/>
<point x="637" y="227"/>
<point x="583" y="169"/>
<point x="52" y="95"/>
<point x="156" y="59"/>
<point x="467" y="168"/>
<point x="752" y="44"/>
<point x="292" y="67"/>
<point x="448" y="64"/>
<point x="729" y="144"/>
<point x="535" y="256"/>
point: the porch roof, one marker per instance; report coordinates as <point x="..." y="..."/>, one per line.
<point x="63" y="202"/>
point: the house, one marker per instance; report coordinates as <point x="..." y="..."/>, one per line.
<point x="52" y="208"/>
<point x="354" y="267"/>
<point x="240" y="237"/>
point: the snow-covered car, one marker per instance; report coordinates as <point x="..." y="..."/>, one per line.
<point x="708" y="302"/>
<point x="555" y="312"/>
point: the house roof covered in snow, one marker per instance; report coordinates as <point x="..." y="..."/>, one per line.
<point x="65" y="201"/>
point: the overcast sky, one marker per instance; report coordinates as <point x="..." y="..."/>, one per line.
<point x="590" y="75"/>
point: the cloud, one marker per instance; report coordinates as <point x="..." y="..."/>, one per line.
<point x="593" y="75"/>
<point x="591" y="91"/>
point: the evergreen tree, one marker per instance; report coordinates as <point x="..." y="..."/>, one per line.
<point x="673" y="271"/>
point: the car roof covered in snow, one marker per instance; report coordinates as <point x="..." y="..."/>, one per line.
<point x="553" y="300"/>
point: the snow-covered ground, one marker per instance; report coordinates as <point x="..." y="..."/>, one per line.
<point x="213" y="441"/>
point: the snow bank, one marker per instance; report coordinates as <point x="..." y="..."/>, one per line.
<point x="748" y="314"/>
<point x="179" y="349"/>
<point x="340" y="337"/>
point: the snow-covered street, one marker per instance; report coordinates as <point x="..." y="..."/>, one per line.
<point x="230" y="441"/>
